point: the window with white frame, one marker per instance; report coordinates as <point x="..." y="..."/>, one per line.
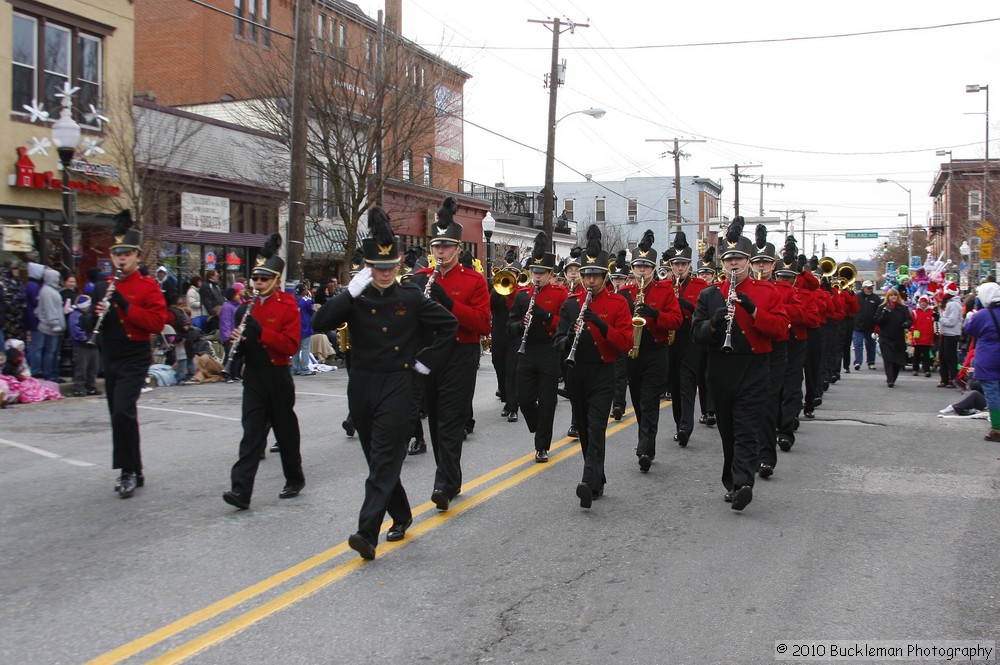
<point x="427" y="170"/>
<point x="45" y="55"/>
<point x="369" y="55"/>
<point x="567" y="212"/>
<point x="341" y="35"/>
<point x="975" y="204"/>
<point x="238" y="21"/>
<point x="407" y="165"/>
<point x="633" y="210"/>
<point x="599" y="213"/>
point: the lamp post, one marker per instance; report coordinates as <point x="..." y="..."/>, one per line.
<point x="973" y="88"/>
<point x="909" y="234"/>
<point x="550" y="159"/>
<point x="65" y="136"/>
<point x="489" y="225"/>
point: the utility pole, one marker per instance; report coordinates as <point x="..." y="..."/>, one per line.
<point x="787" y="220"/>
<point x="677" y="154"/>
<point x="803" y="213"/>
<point x="736" y="181"/>
<point x="760" y="179"/>
<point x="557" y="28"/>
<point x="298" y="187"/>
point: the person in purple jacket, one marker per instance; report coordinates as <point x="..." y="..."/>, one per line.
<point x="227" y="321"/>
<point x="300" y="361"/>
<point x="984" y="326"/>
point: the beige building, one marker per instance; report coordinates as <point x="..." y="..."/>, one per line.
<point x="88" y="45"/>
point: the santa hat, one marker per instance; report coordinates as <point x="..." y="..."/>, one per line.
<point x="951" y="289"/>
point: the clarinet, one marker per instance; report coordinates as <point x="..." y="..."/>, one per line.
<point x="106" y="301"/>
<point x="240" y="329"/>
<point x="571" y="358"/>
<point x="430" y="280"/>
<point x="531" y="309"/>
<point x="727" y="345"/>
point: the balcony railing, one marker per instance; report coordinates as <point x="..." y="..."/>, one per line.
<point x="527" y="206"/>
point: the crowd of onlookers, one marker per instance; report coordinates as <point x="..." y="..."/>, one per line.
<point x="43" y="337"/>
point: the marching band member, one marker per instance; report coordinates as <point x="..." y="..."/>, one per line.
<point x="813" y="370"/>
<point x="683" y="357"/>
<point x="267" y="338"/>
<point x="738" y="319"/>
<point x="503" y="347"/>
<point x="595" y="326"/>
<point x="357" y="264"/>
<point x="134" y="311"/>
<point x="387" y="321"/>
<point x="707" y="271"/>
<point x="464" y="293"/>
<point x="656" y="303"/>
<point x="619" y="277"/>
<point x="533" y="320"/>
<point x="571" y="273"/>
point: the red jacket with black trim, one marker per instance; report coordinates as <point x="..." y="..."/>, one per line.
<point x="472" y="301"/>
<point x="281" y="327"/>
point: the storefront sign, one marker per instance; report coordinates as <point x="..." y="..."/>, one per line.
<point x="210" y="260"/>
<point x="204" y="213"/>
<point x="95" y="170"/>
<point x="27" y="178"/>
<point x="17" y="238"/>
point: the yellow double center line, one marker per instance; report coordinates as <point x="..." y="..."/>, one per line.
<point x="306" y="589"/>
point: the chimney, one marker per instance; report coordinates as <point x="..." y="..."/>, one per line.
<point x="394" y="16"/>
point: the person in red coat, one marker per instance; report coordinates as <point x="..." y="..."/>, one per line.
<point x="134" y="311"/>
<point x="268" y="337"/>
<point x="923" y="335"/>
<point x="595" y="327"/>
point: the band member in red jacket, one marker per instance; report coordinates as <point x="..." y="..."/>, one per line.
<point x="707" y="271"/>
<point x="595" y="327"/>
<point x="738" y="319"/>
<point x="503" y="347"/>
<point x="849" y="303"/>
<point x="267" y="339"/>
<point x="449" y="391"/>
<point x="532" y="325"/>
<point x="807" y="282"/>
<point x="134" y="311"/>
<point x="656" y="304"/>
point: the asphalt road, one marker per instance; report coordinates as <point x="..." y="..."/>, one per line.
<point x="880" y="524"/>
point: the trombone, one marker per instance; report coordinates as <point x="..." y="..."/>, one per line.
<point x="504" y="281"/>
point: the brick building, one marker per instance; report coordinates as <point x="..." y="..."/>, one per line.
<point x="961" y="213"/>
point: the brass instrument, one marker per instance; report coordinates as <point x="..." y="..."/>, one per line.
<point x="106" y="301"/>
<point x="504" y="281"/>
<point x="571" y="358"/>
<point x="672" y="335"/>
<point x="638" y="323"/>
<point x="530" y="312"/>
<point x="343" y="338"/>
<point x="523" y="278"/>
<point x="663" y="272"/>
<point x="727" y="344"/>
<point x="827" y="266"/>
<point x="847" y="272"/>
<point x="236" y="345"/>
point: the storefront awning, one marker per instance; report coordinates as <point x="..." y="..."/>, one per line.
<point x="325" y="240"/>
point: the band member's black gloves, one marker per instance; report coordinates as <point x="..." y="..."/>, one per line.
<point x="647" y="312"/>
<point x="590" y="317"/>
<point x="542" y="316"/>
<point x="439" y="294"/>
<point x="746" y="303"/>
<point x="685" y="305"/>
<point x="118" y="299"/>
<point x="719" y="317"/>
<point x="252" y="330"/>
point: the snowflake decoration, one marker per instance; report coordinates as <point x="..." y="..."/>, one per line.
<point x="95" y="114"/>
<point x="67" y="91"/>
<point x="38" y="114"/>
<point x="92" y="147"/>
<point x="39" y="145"/>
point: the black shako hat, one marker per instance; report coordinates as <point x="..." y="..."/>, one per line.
<point x="446" y="229"/>
<point x="762" y="249"/>
<point x="574" y="257"/>
<point x="621" y="268"/>
<point x="595" y="260"/>
<point x="707" y="262"/>
<point x="357" y="261"/>
<point x="381" y="248"/>
<point x="540" y="258"/>
<point x="788" y="264"/>
<point x="680" y="250"/>
<point x="644" y="254"/>
<point x="268" y="262"/>
<point x="125" y="237"/>
<point x="734" y="244"/>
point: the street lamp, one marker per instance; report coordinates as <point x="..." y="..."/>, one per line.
<point x="65" y="136"/>
<point x="550" y="159"/>
<point x="973" y="88"/>
<point x="909" y="233"/>
<point x="489" y="225"/>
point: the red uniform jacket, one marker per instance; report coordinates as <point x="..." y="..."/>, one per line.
<point x="281" y="327"/>
<point x="147" y="311"/>
<point x="838" y="309"/>
<point x="923" y="326"/>
<point x="612" y="309"/>
<point x="771" y="321"/>
<point x="689" y="292"/>
<point x="550" y="298"/>
<point x="472" y="301"/>
<point x="850" y="303"/>
<point x="659" y="296"/>
<point x="799" y="315"/>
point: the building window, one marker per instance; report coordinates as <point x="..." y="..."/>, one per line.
<point x="633" y="210"/>
<point x="319" y="193"/>
<point x="238" y="20"/>
<point x="265" y="20"/>
<point x="341" y="35"/>
<point x="407" y="165"/>
<point x="252" y="16"/>
<point x="427" y="170"/>
<point x="975" y="204"/>
<point x="45" y="56"/>
<point x="423" y="78"/>
<point x="599" y="215"/>
<point x="369" y="56"/>
<point x="672" y="209"/>
<point x="567" y="212"/>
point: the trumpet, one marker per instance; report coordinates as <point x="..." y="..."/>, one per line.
<point x="638" y="323"/>
<point x="727" y="344"/>
<point x="106" y="301"/>
<point x="236" y="345"/>
<point x="571" y="358"/>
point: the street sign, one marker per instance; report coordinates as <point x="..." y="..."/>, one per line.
<point x="986" y="249"/>
<point x="860" y="234"/>
<point x="985" y="230"/>
<point x="762" y="220"/>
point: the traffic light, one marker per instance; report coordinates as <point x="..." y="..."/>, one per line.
<point x="885" y="245"/>
<point x="836" y="242"/>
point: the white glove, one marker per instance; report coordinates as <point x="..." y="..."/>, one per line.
<point x="421" y="368"/>
<point x="359" y="282"/>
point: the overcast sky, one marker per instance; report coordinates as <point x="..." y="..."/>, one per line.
<point x="823" y="117"/>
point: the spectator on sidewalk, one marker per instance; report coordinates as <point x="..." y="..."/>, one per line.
<point x="950" y="318"/>
<point x="923" y="336"/>
<point x="51" y="325"/>
<point x="892" y="319"/>
<point x="300" y="361"/>
<point x="195" y="311"/>
<point x="36" y="273"/>
<point x="178" y="319"/>
<point x="86" y="358"/>
<point x="864" y="325"/>
<point x="211" y="293"/>
<point x="12" y="325"/>
<point x="227" y="322"/>
<point x="984" y="327"/>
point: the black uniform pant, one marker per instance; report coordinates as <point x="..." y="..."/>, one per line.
<point x="704" y="394"/>
<point x="949" y="358"/>
<point x="846" y="337"/>
<point x="922" y="359"/>
<point x="830" y="348"/>
<point x="537" y="381"/>
<point x="377" y="399"/>
<point x="738" y="383"/>
<point x="776" y="363"/>
<point x="646" y="376"/>
<point x="125" y="367"/>
<point x="591" y="387"/>
<point x="449" y="404"/>
<point x="791" y="389"/>
<point x="505" y="358"/>
<point x="417" y="404"/>
<point x="813" y="368"/>
<point x="621" y="381"/>
<point x="268" y="398"/>
<point x="683" y="378"/>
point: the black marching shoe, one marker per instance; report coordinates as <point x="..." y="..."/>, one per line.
<point x="348" y="426"/>
<point x="644" y="463"/>
<point x="617" y="413"/>
<point x="710" y="419"/>
<point x="360" y="544"/>
<point x="766" y="471"/>
<point x="785" y="443"/>
<point x="139" y="482"/>
<point x="728" y="496"/>
<point x="417" y="447"/>
<point x="291" y="489"/>
<point x="440" y="500"/>
<point x="236" y="500"/>
<point x="809" y="414"/>
<point x="504" y="413"/>
<point x="130" y="480"/>
<point x="742" y="497"/>
<point x="682" y="438"/>
<point x="274" y="448"/>
<point x="585" y="494"/>
<point x="512" y="417"/>
<point x="94" y="391"/>
<point x="703" y="419"/>
<point x="541" y="456"/>
<point x="398" y="530"/>
<point x="573" y="432"/>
